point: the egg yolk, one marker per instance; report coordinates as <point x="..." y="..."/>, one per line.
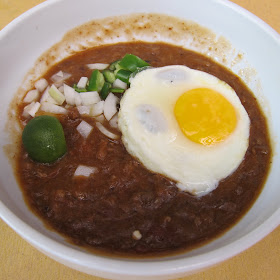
<point x="205" y="116"/>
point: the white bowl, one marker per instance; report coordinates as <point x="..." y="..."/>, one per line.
<point x="27" y="37"/>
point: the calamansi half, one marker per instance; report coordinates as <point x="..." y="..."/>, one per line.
<point x="44" y="140"/>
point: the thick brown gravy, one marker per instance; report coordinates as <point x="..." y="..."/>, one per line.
<point x="104" y="210"/>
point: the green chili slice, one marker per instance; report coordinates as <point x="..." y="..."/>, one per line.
<point x="113" y="65"/>
<point x="132" y="62"/>
<point x="123" y="75"/>
<point x="117" y="90"/>
<point x="105" y="90"/>
<point x="109" y="76"/>
<point x="96" y="81"/>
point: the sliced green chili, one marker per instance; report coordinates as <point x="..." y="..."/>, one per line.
<point x="132" y="62"/>
<point x="113" y="65"/>
<point x="123" y="75"/>
<point x="96" y="81"/>
<point x="105" y="90"/>
<point x="117" y="90"/>
<point x="109" y="76"/>
<point x="117" y="69"/>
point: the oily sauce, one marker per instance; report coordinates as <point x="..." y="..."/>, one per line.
<point x="103" y="211"/>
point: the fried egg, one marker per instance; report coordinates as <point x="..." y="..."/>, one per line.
<point x="186" y="125"/>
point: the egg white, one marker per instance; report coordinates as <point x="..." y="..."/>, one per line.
<point x="151" y="133"/>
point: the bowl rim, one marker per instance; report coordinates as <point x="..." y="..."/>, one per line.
<point x="139" y="267"/>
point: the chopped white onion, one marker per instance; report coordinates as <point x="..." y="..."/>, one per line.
<point x="97" y="66"/>
<point x="72" y="97"/>
<point x="46" y="97"/>
<point x="60" y="77"/>
<point x="100" y="118"/>
<point x="56" y="95"/>
<point x="52" y="108"/>
<point x="85" y="171"/>
<point x="59" y="73"/>
<point x="84" y="129"/>
<point x="106" y="132"/>
<point x="31" y="109"/>
<point x="41" y="84"/>
<point x="114" y="121"/>
<point x="78" y="99"/>
<point x="90" y="97"/>
<point x="31" y="96"/>
<point x="97" y="109"/>
<point x="82" y="82"/>
<point x="119" y="84"/>
<point x="110" y="106"/>
<point x="61" y="89"/>
<point x="136" y="235"/>
<point x="69" y="94"/>
<point x="84" y="110"/>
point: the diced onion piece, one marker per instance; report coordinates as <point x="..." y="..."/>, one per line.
<point x="82" y="82"/>
<point x="97" y="109"/>
<point x="84" y="129"/>
<point x="90" y="97"/>
<point x="69" y="94"/>
<point x="84" y="110"/>
<point x="97" y="66"/>
<point x="66" y="76"/>
<point x="100" y="118"/>
<point x="59" y="74"/>
<point x="72" y="97"/>
<point x="31" y="96"/>
<point x="52" y="108"/>
<point x="119" y="84"/>
<point x="60" y="77"/>
<point x="114" y="121"/>
<point x="56" y="95"/>
<point x="110" y="106"/>
<point x="31" y="109"/>
<point x="106" y="132"/>
<point x="136" y="235"/>
<point x="61" y="88"/>
<point x="85" y="171"/>
<point x="41" y="84"/>
<point x="46" y="97"/>
<point x="78" y="99"/>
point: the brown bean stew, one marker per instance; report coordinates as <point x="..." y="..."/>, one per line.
<point x="123" y="197"/>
